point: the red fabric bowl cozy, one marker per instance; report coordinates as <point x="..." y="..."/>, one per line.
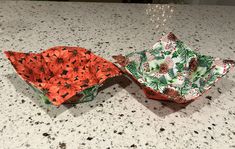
<point x="63" y="74"/>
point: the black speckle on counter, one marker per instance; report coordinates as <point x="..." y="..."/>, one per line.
<point x="219" y="90"/>
<point x="89" y="138"/>
<point x="206" y="143"/>
<point x="46" y="134"/>
<point x="162" y="129"/>
<point x="133" y="145"/>
<point x="209" y="97"/>
<point x="195" y="132"/>
<point x="62" y="145"/>
<point x="120" y="133"/>
<point x="121" y="115"/>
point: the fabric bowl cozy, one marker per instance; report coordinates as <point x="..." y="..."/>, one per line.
<point x="172" y="71"/>
<point x="63" y="74"/>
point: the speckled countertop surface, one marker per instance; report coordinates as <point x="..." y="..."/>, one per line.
<point x="120" y="116"/>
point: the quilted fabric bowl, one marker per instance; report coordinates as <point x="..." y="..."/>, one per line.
<point x="172" y="71"/>
<point x="63" y="74"/>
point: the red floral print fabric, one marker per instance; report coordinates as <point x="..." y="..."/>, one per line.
<point x="61" y="72"/>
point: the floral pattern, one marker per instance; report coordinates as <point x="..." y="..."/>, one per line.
<point x="63" y="74"/>
<point x="172" y="71"/>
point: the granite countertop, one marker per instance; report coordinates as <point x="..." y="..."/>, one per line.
<point x="120" y="116"/>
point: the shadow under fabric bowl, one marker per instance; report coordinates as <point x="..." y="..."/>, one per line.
<point x="63" y="74"/>
<point x="172" y="71"/>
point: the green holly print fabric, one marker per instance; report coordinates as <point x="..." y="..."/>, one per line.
<point x="173" y="69"/>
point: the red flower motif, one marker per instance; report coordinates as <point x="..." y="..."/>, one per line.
<point x="163" y="68"/>
<point x="171" y="37"/>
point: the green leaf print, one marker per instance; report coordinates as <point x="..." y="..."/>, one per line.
<point x="202" y="85"/>
<point x="153" y="65"/>
<point x="179" y="44"/>
<point x="45" y="99"/>
<point x="175" y="54"/>
<point x="143" y="57"/>
<point x="180" y="67"/>
<point x="154" y="52"/>
<point x="157" y="67"/>
<point x="132" y="67"/>
<point x="184" y="91"/>
<point x="191" y="53"/>
<point x="186" y="82"/>
<point x="41" y="94"/>
<point x="152" y="81"/>
<point x="88" y="94"/>
<point x="186" y="54"/>
<point x="171" y="73"/>
<point x="159" y="57"/>
<point x="163" y="80"/>
<point x="153" y="85"/>
<point x="90" y="90"/>
<point x="149" y="78"/>
<point x="201" y="71"/>
<point x="167" y="52"/>
<point x="211" y="80"/>
<point x="205" y="61"/>
<point x="194" y="85"/>
<point x="196" y="78"/>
